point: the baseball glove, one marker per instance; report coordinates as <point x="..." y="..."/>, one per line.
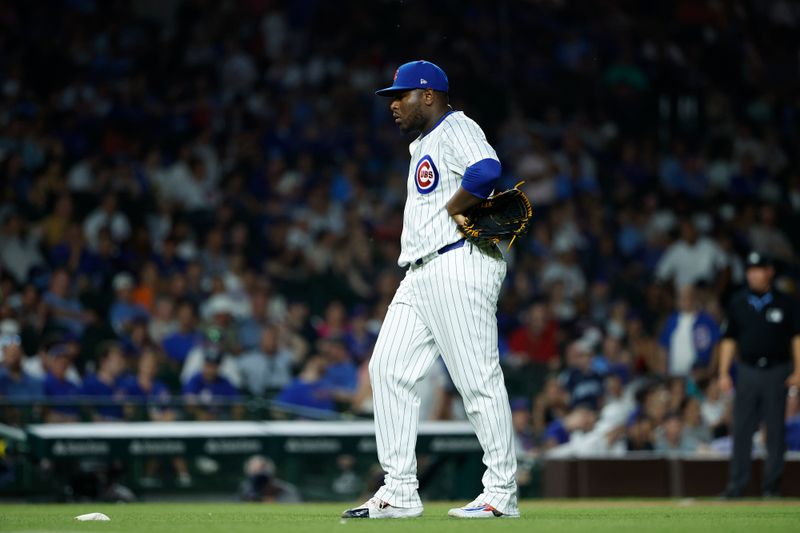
<point x="505" y="215"/>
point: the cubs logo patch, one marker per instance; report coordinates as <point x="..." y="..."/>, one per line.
<point x="426" y="175"/>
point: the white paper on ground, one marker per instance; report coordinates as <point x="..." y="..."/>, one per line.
<point x="92" y="516"/>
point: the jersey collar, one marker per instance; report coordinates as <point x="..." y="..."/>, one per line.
<point x="424" y="133"/>
<point x="759" y="301"/>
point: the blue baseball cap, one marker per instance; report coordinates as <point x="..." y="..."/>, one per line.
<point x="416" y="75"/>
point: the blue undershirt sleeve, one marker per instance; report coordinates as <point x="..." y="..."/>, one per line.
<point x="480" y="178"/>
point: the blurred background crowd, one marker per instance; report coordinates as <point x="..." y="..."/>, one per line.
<point x="198" y="211"/>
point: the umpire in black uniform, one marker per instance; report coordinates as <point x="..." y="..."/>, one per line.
<point x="764" y="328"/>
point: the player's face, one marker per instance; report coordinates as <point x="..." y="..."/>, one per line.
<point x="407" y="110"/>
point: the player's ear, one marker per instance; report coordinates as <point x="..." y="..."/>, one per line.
<point x="428" y="96"/>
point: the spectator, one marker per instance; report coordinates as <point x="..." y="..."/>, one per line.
<point x="15" y="383"/>
<point x="360" y="340"/>
<point x="617" y="405"/>
<point x="54" y="226"/>
<point x="64" y="310"/>
<point x="268" y="368"/>
<point x="613" y="359"/>
<point x="146" y="390"/>
<point x="581" y="418"/>
<point x="207" y="389"/>
<point x="309" y="389"/>
<point x="124" y="311"/>
<point x="106" y="216"/>
<point x="178" y="344"/>
<point x="340" y="372"/>
<point x="168" y="261"/>
<point x="251" y="327"/>
<point x="537" y="340"/>
<point x="521" y="421"/>
<point x="220" y="323"/>
<point x="163" y="322"/>
<point x="691" y="259"/>
<point x="582" y="383"/>
<point x="655" y="403"/>
<point x="195" y="360"/>
<point x="103" y="389"/>
<point x="38" y="365"/>
<point x="549" y="405"/>
<point x="695" y="432"/>
<point x="768" y="239"/>
<point x="61" y="393"/>
<point x="670" y="437"/>
<point x="213" y="260"/>
<point x="640" y="435"/>
<point x="72" y="254"/>
<point x="145" y="292"/>
<point x="688" y="338"/>
<point x="19" y="249"/>
<point x="564" y="269"/>
<point x="716" y="408"/>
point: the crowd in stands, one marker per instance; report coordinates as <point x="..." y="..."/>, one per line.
<point x="201" y="204"/>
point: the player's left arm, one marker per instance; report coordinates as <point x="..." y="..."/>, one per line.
<point x="471" y="156"/>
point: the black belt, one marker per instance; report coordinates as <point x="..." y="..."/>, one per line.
<point x="443" y="250"/>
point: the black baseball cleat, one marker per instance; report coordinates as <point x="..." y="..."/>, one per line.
<point x="375" y="508"/>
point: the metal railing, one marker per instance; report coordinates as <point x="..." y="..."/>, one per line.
<point x="15" y="412"/>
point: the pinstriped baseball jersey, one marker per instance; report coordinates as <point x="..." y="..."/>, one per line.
<point x="439" y="158"/>
<point x="446" y="307"/>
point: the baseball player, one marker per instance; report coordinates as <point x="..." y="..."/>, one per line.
<point x="444" y="306"/>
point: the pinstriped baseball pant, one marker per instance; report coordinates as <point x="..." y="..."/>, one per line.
<point x="447" y="307"/>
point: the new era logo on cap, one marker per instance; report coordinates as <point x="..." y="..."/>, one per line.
<point x="423" y="81"/>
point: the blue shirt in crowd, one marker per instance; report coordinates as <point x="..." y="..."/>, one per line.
<point x="557" y="432"/>
<point x="316" y="394"/>
<point x="178" y="345"/>
<point x="157" y="397"/>
<point x="56" y="390"/>
<point x="219" y="388"/>
<point x="105" y="395"/>
<point x="25" y="388"/>
<point x="341" y="376"/>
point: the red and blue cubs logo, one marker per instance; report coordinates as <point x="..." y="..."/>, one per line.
<point x="426" y="176"/>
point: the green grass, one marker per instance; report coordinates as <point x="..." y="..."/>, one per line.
<point x="596" y="516"/>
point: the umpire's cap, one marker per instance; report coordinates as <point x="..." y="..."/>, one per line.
<point x="417" y="75"/>
<point x="757" y="259"/>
